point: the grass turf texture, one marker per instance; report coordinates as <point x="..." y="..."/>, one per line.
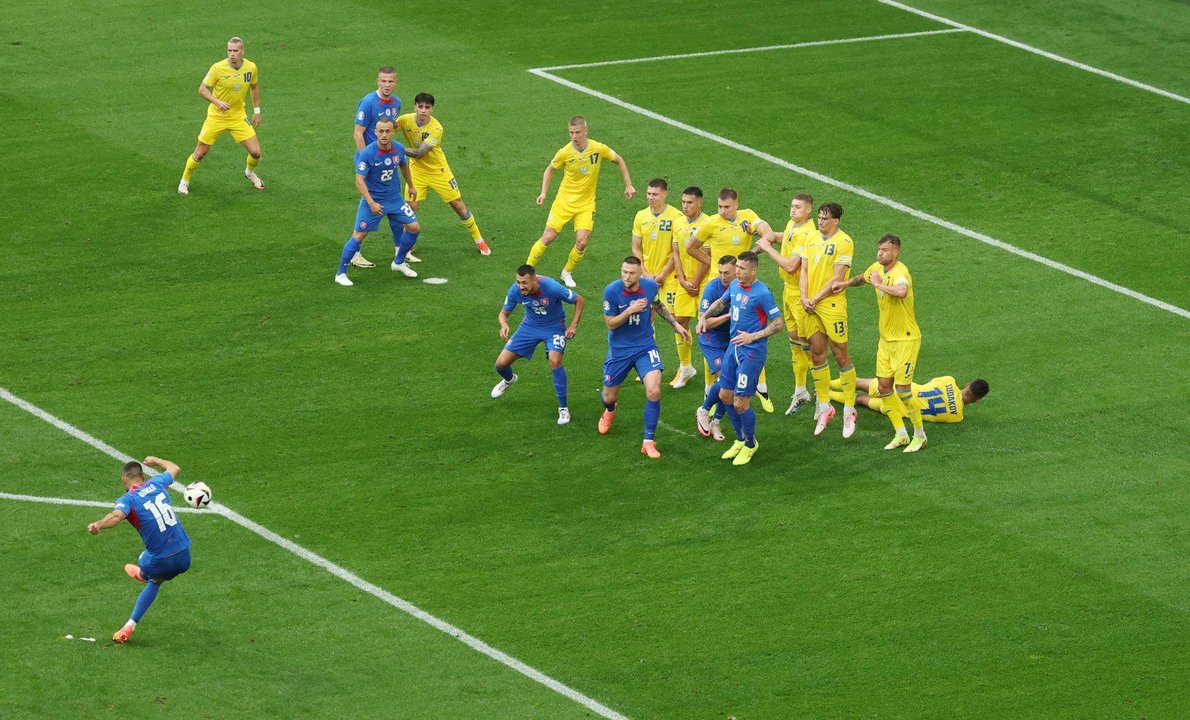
<point x="1029" y="562"/>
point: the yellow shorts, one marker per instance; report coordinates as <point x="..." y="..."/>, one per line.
<point x="440" y="181"/>
<point x="240" y="128"/>
<point x="823" y="320"/>
<point x="562" y="213"/>
<point x="795" y="314"/>
<point x="897" y="360"/>
<point x="679" y="302"/>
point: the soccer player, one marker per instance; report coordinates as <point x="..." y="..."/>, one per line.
<point x="379" y="184"/>
<point x="713" y="341"/>
<point x="628" y="307"/>
<point x="900" y="340"/>
<point x="580" y="160"/>
<point x="225" y="86"/>
<point x="691" y="272"/>
<point x="755" y="315"/>
<point x="167" y="546"/>
<point x="653" y="232"/>
<point x="371" y="108"/>
<point x="545" y="323"/>
<point x="826" y="261"/>
<point x="423" y="137"/>
<point x="798" y="231"/>
<point x="731" y="232"/>
<point x="941" y="400"/>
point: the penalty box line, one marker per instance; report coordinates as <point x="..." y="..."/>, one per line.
<point x="315" y="559"/>
<point x="86" y="503"/>
<point x="545" y="74"/>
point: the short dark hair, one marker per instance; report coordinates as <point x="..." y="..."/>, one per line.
<point x="387" y="70"/>
<point x="133" y="469"/>
<point x="805" y="197"/>
<point x="979" y="387"/>
<point x="420" y="98"/>
<point x="694" y="190"/>
<point x="890" y="239"/>
<point x="835" y="210"/>
<point x="749" y="257"/>
<point x="659" y="183"/>
<point x="728" y="194"/>
<point x="526" y="269"/>
<point x="726" y="259"/>
<point x="632" y="260"/>
<point x="386" y="119"/>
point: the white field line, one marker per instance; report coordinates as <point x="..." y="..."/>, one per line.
<point x="336" y="570"/>
<point x="84" y="503"/>
<point x="671" y="428"/>
<point x="1038" y="51"/>
<point x="764" y="48"/>
<point x="856" y="190"/>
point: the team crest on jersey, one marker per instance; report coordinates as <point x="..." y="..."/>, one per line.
<point x="363" y="225"/>
<point x="388" y="161"/>
<point x="363" y="166"/>
<point x="359" y="115"/>
<point x="545" y="301"/>
<point x="237" y="86"/>
<point x="743" y="299"/>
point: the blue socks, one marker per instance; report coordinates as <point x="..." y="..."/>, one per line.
<point x="505" y="372"/>
<point x="350" y="248"/>
<point x="406" y="241"/>
<point x="652" y="416"/>
<point x="712" y="397"/>
<point x="736" y="422"/>
<point x="720" y="410"/>
<point x="559" y="385"/>
<point x="144" y="600"/>
<point x="748" y="426"/>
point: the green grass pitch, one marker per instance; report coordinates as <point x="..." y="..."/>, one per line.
<point x="1030" y="563"/>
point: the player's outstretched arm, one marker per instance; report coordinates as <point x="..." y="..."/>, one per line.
<point x="664" y="313"/>
<point x="579" y="304"/>
<point x="629" y="191"/>
<point x="112" y="519"/>
<point x="546" y="178"/>
<point x="420" y="151"/>
<point x="166" y="465"/>
<point x="789" y="264"/>
<point x="745" y="338"/>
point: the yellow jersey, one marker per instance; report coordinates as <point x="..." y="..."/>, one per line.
<point x="231" y="86"/>
<point x="433" y="161"/>
<point x="726" y="237"/>
<point x="897" y="319"/>
<point x="940" y="400"/>
<point x="821" y="256"/>
<point x="656" y="233"/>
<point x="794" y="237"/>
<point x="580" y="172"/>
<point x="683" y="231"/>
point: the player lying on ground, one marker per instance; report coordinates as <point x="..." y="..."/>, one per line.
<point x="941" y="400"/>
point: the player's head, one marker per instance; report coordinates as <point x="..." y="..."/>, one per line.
<point x="974" y="391"/>
<point x="384" y="131"/>
<point x="727" y="269"/>
<point x="828" y="217"/>
<point x="692" y="201"/>
<point x="630" y="271"/>
<point x="746" y="266"/>
<point x="656" y="193"/>
<point x="526" y="279"/>
<point x="801" y="207"/>
<point x="235" y="50"/>
<point x="132" y="474"/>
<point x="423" y="105"/>
<point x="729" y="202"/>
<point x="386" y="81"/>
<point x="578" y="129"/>
<point x="888" y="250"/>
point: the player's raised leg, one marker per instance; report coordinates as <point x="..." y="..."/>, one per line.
<point x="581" y="236"/>
<point x="467" y="219"/>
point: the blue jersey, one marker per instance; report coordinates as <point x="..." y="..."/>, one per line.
<point x="148" y="509"/>
<point x="382" y="172"/>
<point x="544" y="307"/>
<point x="751" y="308"/>
<point x="372" y="108"/>
<point x="636" y="335"/>
<point x="719" y="336"/>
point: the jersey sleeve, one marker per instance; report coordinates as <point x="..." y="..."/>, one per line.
<point x="609" y="301"/>
<point x="124" y="503"/>
<point x="608" y="153"/>
<point x="868" y="272"/>
<point x="771" y="307"/>
<point x="361" y="163"/>
<point x="559" y="159"/>
<point x="900" y="276"/>
<point x="255" y="79"/>
<point x="433" y="135"/>
<point x="402" y="158"/>
<point x="843" y="251"/>
<point x="209" y="78"/>
<point x="510" y="302"/>
<point x="361" y="113"/>
<point x="162" y="480"/>
<point x="702" y="233"/>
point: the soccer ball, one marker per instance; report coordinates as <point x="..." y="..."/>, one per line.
<point x="197" y="494"/>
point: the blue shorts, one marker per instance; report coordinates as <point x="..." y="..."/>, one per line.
<point x="525" y="339"/>
<point x="398" y="215"/>
<point x="161" y="569"/>
<point x="645" y="362"/>
<point x="741" y="370"/>
<point x="713" y="354"/>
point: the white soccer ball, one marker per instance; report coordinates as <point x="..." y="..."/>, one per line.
<point x="198" y="494"/>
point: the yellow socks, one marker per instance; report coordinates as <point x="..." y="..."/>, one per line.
<point x="252" y="163"/>
<point x="473" y="227"/>
<point x="684" y="355"/>
<point x="801" y="362"/>
<point x="847" y="385"/>
<point x="912" y="411"/>
<point x="191" y="166"/>
<point x="575" y="257"/>
<point x="891" y="406"/>
<point x="536" y="253"/>
<point x="822" y="383"/>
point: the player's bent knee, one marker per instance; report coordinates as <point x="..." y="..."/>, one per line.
<point x="413" y="227"/>
<point x="741" y="404"/>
